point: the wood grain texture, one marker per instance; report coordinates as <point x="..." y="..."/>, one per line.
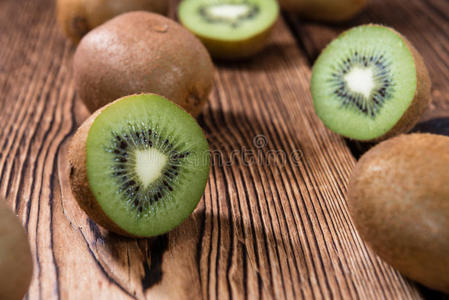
<point x="273" y="223"/>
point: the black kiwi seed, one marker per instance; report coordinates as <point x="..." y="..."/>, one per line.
<point x="123" y="149"/>
<point x="382" y="77"/>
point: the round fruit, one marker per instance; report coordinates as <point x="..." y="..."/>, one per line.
<point x="77" y="17"/>
<point x="370" y="84"/>
<point x="100" y="11"/>
<point x="230" y="29"/>
<point x="16" y="263"/>
<point x="143" y="52"/>
<point x="399" y="200"/>
<point x="324" y="10"/>
<point x="139" y="166"/>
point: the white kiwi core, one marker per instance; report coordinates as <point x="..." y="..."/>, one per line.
<point x="149" y="165"/>
<point x="229" y="11"/>
<point x="360" y="80"/>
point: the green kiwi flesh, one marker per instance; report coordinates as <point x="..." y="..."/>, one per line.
<point x="230" y="28"/>
<point x="146" y="164"/>
<point x="16" y="262"/>
<point x="398" y="197"/>
<point x="370" y="84"/>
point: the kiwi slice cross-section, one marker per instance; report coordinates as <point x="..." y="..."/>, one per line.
<point x="230" y="29"/>
<point x="370" y="84"/>
<point x="139" y="165"/>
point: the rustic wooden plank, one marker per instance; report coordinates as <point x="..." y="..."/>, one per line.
<point x="426" y="24"/>
<point x="272" y="227"/>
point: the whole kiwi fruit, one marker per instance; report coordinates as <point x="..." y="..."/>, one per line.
<point x="141" y="52"/>
<point x="324" y="10"/>
<point x="16" y="263"/>
<point x="399" y="201"/>
<point x="77" y="17"/>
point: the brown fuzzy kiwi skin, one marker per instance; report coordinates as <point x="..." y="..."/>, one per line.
<point x="72" y="18"/>
<point x="420" y="101"/>
<point x="333" y="11"/>
<point x="398" y="198"/>
<point x="79" y="181"/>
<point x="141" y="52"/>
<point x="100" y="11"/>
<point x="78" y="17"/>
<point x="16" y="262"/>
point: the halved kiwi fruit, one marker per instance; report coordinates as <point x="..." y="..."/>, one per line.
<point x="141" y="52"/>
<point x="324" y="10"/>
<point x="16" y="263"/>
<point x="370" y="84"/>
<point x="399" y="200"/>
<point x="230" y="29"/>
<point x="139" y="166"/>
<point x="77" y="17"/>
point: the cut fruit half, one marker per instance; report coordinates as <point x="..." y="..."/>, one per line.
<point x="139" y="165"/>
<point x="230" y="29"/>
<point x="370" y="84"/>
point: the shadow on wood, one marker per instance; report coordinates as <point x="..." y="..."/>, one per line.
<point x="436" y="126"/>
<point x="187" y="262"/>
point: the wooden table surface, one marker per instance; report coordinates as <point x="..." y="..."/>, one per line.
<point x="265" y="229"/>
